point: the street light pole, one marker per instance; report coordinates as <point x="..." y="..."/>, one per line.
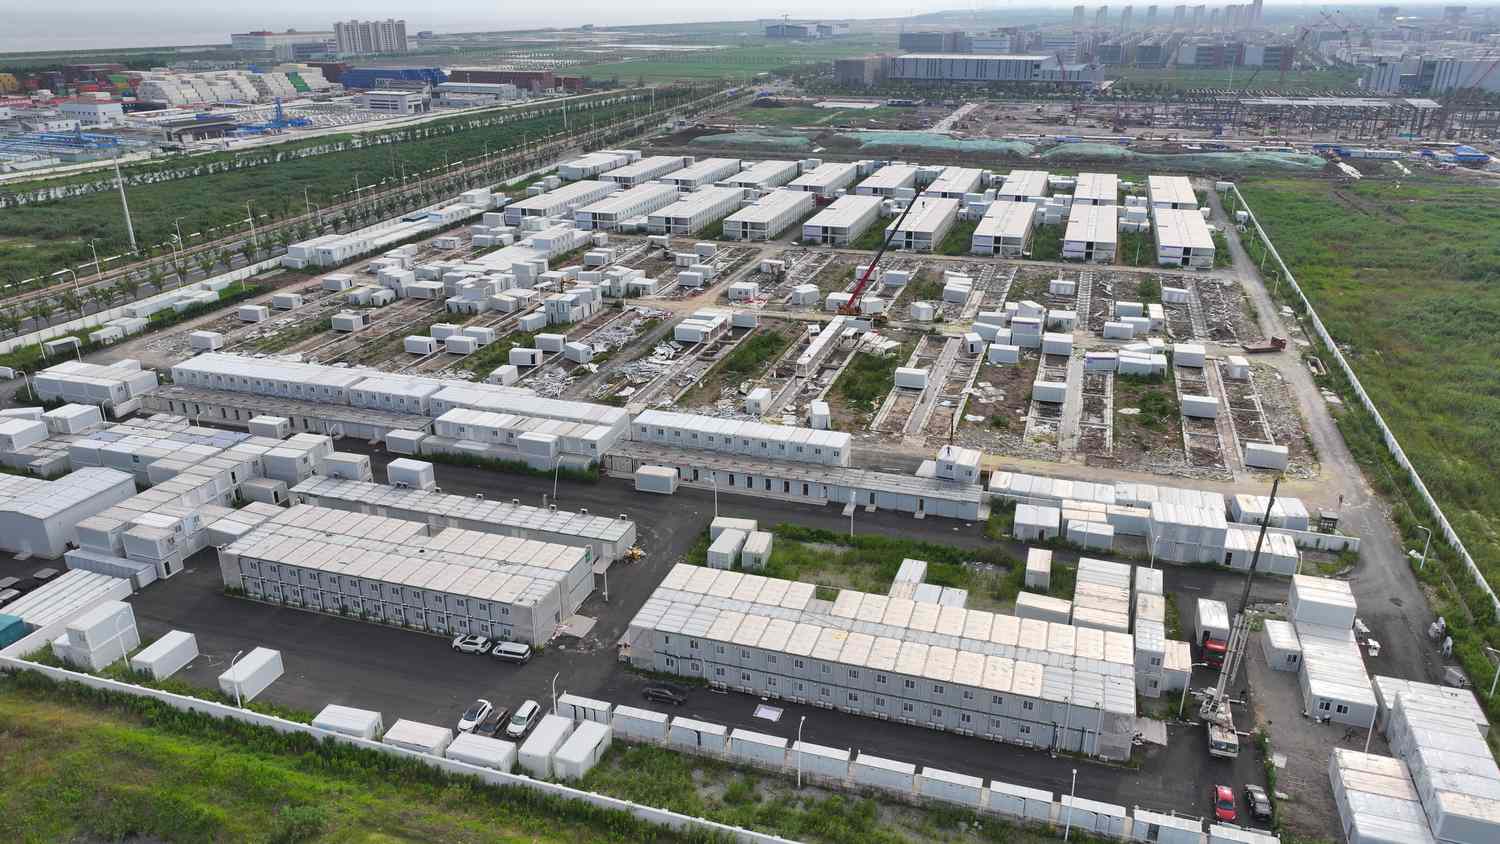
<point x="800" y="722"/>
<point x="1072" y="798"/>
<point x="254" y="238"/>
<point x="236" y="680"/>
<point x="1425" y="547"/>
<point x="556" y="470"/>
<point x="716" y="493"/>
<point x="98" y="267"/>
<point x="554" y="691"/>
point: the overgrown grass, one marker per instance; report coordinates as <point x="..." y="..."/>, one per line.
<point x="590" y="475"/>
<point x="959" y="239"/>
<point x="1136" y="249"/>
<point x="1047" y="243"/>
<point x="289" y="337"/>
<point x="84" y="765"/>
<point x="496" y="354"/>
<point x="872" y="238"/>
<point x="865" y="381"/>
<point x="748" y="360"/>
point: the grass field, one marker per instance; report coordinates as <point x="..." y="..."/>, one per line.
<point x="76" y="769"/>
<point x="733" y="63"/>
<point x="1406" y="276"/>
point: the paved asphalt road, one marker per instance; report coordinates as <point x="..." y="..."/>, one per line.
<point x="404" y="674"/>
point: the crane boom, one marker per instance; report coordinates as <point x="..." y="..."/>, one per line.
<point x="851" y="308"/>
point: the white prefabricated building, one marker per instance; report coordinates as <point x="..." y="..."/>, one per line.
<point x="843" y="221"/>
<point x="1004" y="230"/>
<point x="695" y="211"/>
<point x="769" y="217"/>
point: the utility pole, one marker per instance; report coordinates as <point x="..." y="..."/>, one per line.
<point x="125" y="204"/>
<point x="250" y="215"/>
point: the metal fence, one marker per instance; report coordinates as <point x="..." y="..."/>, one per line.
<point x="1391" y="443"/>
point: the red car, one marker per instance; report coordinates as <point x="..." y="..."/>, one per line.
<point x="1224" y="803"/>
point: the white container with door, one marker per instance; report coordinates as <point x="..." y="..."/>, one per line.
<point x="251" y="674"/>
<point x="535" y="754"/>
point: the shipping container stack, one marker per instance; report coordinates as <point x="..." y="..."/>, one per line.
<point x="1335" y="685"/>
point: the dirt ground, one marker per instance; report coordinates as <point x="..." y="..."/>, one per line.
<point x="995" y="419"/>
<point x="1226" y="311"/>
<point x="1107" y="289"/>
<point x="1139" y="441"/>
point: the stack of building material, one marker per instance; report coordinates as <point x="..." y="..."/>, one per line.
<point x="1101" y="598"/>
<point x="98" y="637"/>
<point x="1043" y="607"/>
<point x="65" y="596"/>
<point x="908" y="577"/>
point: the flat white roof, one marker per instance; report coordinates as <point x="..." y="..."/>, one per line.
<point x="845" y="210"/>
<point x="770" y="206"/>
<point x="1172" y="189"/>
<point x="646" y="167"/>
<point x="1025" y="183"/>
<point x="1097" y="187"/>
<point x="891" y="176"/>
<point x="579" y="191"/>
<point x="706" y="168"/>
<point x="698" y="201"/>
<point x="927" y="215"/>
<point x="957" y="180"/>
<point x="626" y="200"/>
<point x="1006" y="219"/>
<point x="760" y="173"/>
<point x="1182" y="227"/>
<point x="1093" y="223"/>
<point x="826" y="175"/>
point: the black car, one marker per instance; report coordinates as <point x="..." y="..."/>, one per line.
<point x="493" y="723"/>
<point x="663" y="693"/>
<point x="1258" y="801"/>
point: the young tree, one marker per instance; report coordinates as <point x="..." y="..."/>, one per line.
<point x="10" y="323"/>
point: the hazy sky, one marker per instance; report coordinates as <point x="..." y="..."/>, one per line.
<point x="103" y="23"/>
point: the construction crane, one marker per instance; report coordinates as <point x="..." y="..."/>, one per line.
<point x="278" y="122"/>
<point x="851" y="307"/>
<point x="1292" y="60"/>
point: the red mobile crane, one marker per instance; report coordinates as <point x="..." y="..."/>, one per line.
<point x="851" y="307"/>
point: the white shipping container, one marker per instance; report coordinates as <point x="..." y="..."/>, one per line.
<point x="167" y="655"/>
<point x="418" y="737"/>
<point x="483" y="751"/>
<point x="582" y="750"/>
<point x="535" y="754"/>
<point x="345" y="720"/>
<point x="252" y="674"/>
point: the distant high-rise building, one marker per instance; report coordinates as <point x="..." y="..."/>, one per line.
<point x="1079" y="13"/>
<point x="1388" y="14"/>
<point x="1198" y="16"/>
<point x="1255" y="10"/>
<point x="933" y="41"/>
<point x="1232" y="16"/>
<point x="1455" y="14"/>
<point x="1213" y="18"/>
<point x="1150" y="16"/>
<point x="1179" y="16"/>
<point x="1125" y="15"/>
<point x="1101" y="17"/>
<point x="357" y="38"/>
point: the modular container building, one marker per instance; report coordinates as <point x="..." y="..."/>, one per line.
<point x="764" y="175"/>
<point x="581" y="443"/>
<point x="442" y="580"/>
<point x="843" y="221"/>
<point x="644" y="170"/>
<point x="702" y="172"/>
<point x="418" y="737"/>
<point x="561" y="202"/>
<point x="40" y="518"/>
<point x="630" y="722"/>
<point x="925" y="225"/>
<point x="117" y="387"/>
<point x="346" y="720"/>
<point x="955" y="182"/>
<point x="582" y="750"/>
<point x="1334" y="683"/>
<point x="252" y="674"/>
<point x="771" y="215"/>
<point x="1183" y="239"/>
<point x="1023" y="186"/>
<point x="1376" y="800"/>
<point x="1004" y="230"/>
<point x="827" y="180"/>
<point x="1282" y="648"/>
<point x="483" y="751"/>
<point x="579" y="708"/>
<point x="660" y="479"/>
<point x="594" y="163"/>
<point x="944" y="667"/>
<point x="1322" y="601"/>
<point x="754" y="439"/>
<point x="695" y="211"/>
<point x="1092" y="234"/>
<point x="1097" y="189"/>
<point x="610" y="212"/>
<point x="887" y="180"/>
<point x="1172" y="192"/>
<point x="535" y="755"/>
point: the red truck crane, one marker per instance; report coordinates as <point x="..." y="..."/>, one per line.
<point x="851" y="307"/>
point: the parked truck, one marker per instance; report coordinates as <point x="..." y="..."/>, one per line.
<point x="1213" y="632"/>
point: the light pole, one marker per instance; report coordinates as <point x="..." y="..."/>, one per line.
<point x="307" y="202"/>
<point x="716" y="493"/>
<point x="98" y="267"/>
<point x="236" y="680"/>
<point x="254" y="238"/>
<point x="556" y="470"/>
<point x="554" y="690"/>
<point x="1072" y="798"/>
<point x="1425" y="547"/>
<point x="177" y="224"/>
<point x="800" y="722"/>
<point x="1183" y="703"/>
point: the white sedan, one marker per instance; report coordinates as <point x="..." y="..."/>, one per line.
<point x="473" y="715"/>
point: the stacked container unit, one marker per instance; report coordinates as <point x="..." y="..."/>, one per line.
<point x="752" y="439"/>
<point x="945" y="667"/>
<point x="1376" y="801"/>
<point x="1102" y="596"/>
<point x="580" y="443"/>
<point x="1456" y="778"/>
<point x="446" y="581"/>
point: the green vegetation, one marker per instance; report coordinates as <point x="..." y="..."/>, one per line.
<point x="793" y="116"/>
<point x="925" y="286"/>
<point x="959" y="239"/>
<point x="1173" y="617"/>
<point x="590" y="475"/>
<point x="1222" y="258"/>
<point x="1137" y="249"/>
<point x="745" y="797"/>
<point x="872" y="238"/>
<point x="1150" y="291"/>
<point x="1047" y="243"/>
<point x="289" y="337"/>
<point x="85" y="765"/>
<point x="496" y="354"/>
<point x="1404" y="275"/>
<point x="39" y="238"/>
<point x="868" y="377"/>
<point x="731" y="63"/>
<point x="748" y="360"/>
<point x="868" y="563"/>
